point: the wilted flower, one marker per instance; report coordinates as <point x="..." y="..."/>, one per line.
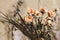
<point x="28" y="18"/>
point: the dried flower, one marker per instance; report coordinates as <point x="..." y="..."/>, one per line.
<point x="33" y="11"/>
<point x="28" y="18"/>
<point x="37" y="13"/>
<point x="42" y="10"/>
<point x="51" y="13"/>
<point x="29" y="11"/>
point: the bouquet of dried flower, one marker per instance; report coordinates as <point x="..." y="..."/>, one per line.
<point x="36" y="25"/>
